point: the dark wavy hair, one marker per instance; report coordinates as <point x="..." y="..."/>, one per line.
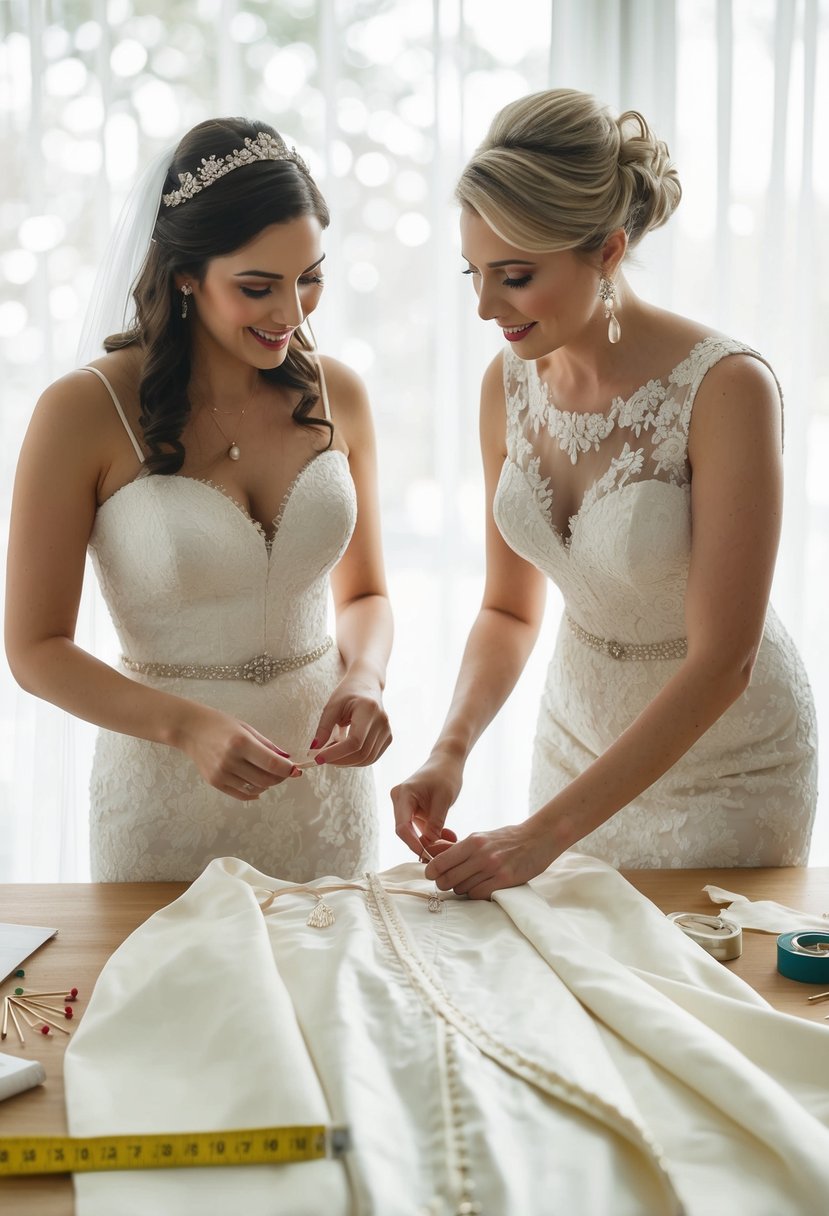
<point x="214" y="222"/>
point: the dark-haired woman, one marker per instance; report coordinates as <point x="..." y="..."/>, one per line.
<point x="633" y="456"/>
<point x="223" y="479"/>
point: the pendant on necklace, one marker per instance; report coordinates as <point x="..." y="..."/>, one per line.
<point x="234" y="452"/>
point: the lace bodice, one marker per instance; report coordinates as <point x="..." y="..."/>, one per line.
<point x="621" y="557"/>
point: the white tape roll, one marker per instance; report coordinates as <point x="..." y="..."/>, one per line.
<point x="720" y="937"/>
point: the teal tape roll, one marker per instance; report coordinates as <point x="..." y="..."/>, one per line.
<point x="804" y="957"/>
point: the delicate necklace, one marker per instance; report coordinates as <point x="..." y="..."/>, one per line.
<point x="233" y="451"/>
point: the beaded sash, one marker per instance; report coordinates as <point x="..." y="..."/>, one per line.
<point x="638" y="651"/>
<point x="259" y="670"/>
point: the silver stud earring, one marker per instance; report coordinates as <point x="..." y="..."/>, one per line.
<point x="186" y="291"/>
<point x="607" y="293"/>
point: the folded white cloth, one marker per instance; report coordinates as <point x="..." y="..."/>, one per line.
<point x="765" y="915"/>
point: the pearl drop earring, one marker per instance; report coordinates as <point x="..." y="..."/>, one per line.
<point x="607" y="293"/>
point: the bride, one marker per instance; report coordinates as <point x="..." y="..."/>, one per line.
<point x="218" y="472"/>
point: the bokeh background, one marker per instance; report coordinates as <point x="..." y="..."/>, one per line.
<point x="385" y="100"/>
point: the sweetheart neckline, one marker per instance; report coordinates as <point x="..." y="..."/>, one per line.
<point x="565" y="540"/>
<point x="239" y="507"/>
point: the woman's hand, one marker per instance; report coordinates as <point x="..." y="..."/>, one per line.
<point x="489" y="861"/>
<point x="232" y="756"/>
<point x="422" y="802"/>
<point x="354" y="727"/>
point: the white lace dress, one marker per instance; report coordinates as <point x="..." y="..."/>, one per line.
<point x="190" y="578"/>
<point x="745" y="793"/>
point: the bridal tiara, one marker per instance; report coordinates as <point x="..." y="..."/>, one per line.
<point x="263" y="147"/>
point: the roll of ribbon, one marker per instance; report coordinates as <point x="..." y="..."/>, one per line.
<point x="720" y="937"/>
<point x="804" y="956"/>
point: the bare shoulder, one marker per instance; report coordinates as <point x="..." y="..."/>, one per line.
<point x="346" y="390"/>
<point x="350" y="408"/>
<point x="738" y="396"/>
<point x="492" y="383"/>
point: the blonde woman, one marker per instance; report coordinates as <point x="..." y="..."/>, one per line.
<point x="634" y="457"/>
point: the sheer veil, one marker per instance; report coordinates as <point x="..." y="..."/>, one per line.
<point x="111" y="308"/>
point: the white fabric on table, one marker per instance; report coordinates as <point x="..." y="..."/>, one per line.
<point x="765" y="915"/>
<point x="605" y="1064"/>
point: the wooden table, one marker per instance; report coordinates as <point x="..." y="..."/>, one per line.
<point x="93" y="919"/>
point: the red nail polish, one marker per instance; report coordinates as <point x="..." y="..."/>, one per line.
<point x="314" y="743"/>
<point x="295" y="772"/>
<point x="319" y="760"/>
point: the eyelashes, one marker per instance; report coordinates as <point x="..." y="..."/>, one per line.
<point x="258" y="293"/>
<point x="507" y="282"/>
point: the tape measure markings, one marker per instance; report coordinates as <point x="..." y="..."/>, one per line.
<point x="152" y="1151"/>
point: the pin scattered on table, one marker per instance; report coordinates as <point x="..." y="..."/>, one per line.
<point x="34" y="1009"/>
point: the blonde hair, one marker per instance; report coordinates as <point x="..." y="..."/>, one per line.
<point x="557" y="171"/>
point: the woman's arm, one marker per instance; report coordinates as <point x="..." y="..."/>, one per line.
<point x="496" y="652"/>
<point x="736" y="497"/>
<point x="66" y="455"/>
<point x="358" y="583"/>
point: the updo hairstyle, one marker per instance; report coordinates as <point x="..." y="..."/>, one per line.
<point x="228" y="214"/>
<point x="557" y="171"/>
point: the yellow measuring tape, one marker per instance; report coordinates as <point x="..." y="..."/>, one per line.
<point x="249" y="1146"/>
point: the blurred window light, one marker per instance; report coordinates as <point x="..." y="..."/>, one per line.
<point x="358" y="354"/>
<point x="41" y="232"/>
<point x="341" y="158"/>
<point x="170" y="62"/>
<point x="63" y="302"/>
<point x="363" y="276"/>
<point x="55" y="41"/>
<point x="413" y="229"/>
<point x="379" y="214"/>
<point x="352" y="115"/>
<point x="88" y="36"/>
<point x="121" y="138"/>
<point x="399" y="137"/>
<point x="13" y="318"/>
<point x="158" y="109"/>
<point x="82" y="115"/>
<point x="27" y="347"/>
<point x="372" y="169"/>
<point x="247" y="27"/>
<point x="289" y="69"/>
<point x="65" y="78"/>
<point x="378" y="40"/>
<point x="18" y="266"/>
<point x="128" y="57"/>
<point x="411" y="186"/>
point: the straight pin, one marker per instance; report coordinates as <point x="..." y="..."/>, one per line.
<point x="818" y="996"/>
<point x="41" y="1018"/>
<point x="16" y="1023"/>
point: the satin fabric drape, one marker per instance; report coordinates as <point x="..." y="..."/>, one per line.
<point x="564" y="1048"/>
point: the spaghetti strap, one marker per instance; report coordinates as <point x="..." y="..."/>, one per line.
<point x="323" y="390"/>
<point x="119" y="408"/>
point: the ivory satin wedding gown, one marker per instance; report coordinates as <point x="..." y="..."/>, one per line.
<point x="563" y="1049"/>
<point x="745" y="793"/>
<point x="194" y="586"/>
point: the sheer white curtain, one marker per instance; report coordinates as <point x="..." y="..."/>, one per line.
<point x="386" y="100"/>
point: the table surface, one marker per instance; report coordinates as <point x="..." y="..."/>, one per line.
<point x="94" y="918"/>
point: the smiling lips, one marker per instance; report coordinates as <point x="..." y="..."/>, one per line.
<point x="515" y="334"/>
<point x="270" y="340"/>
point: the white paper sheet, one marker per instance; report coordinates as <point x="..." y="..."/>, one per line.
<point x="17" y="942"/>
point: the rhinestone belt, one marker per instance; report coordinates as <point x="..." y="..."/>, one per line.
<point x="676" y="649"/>
<point x="259" y="670"/>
